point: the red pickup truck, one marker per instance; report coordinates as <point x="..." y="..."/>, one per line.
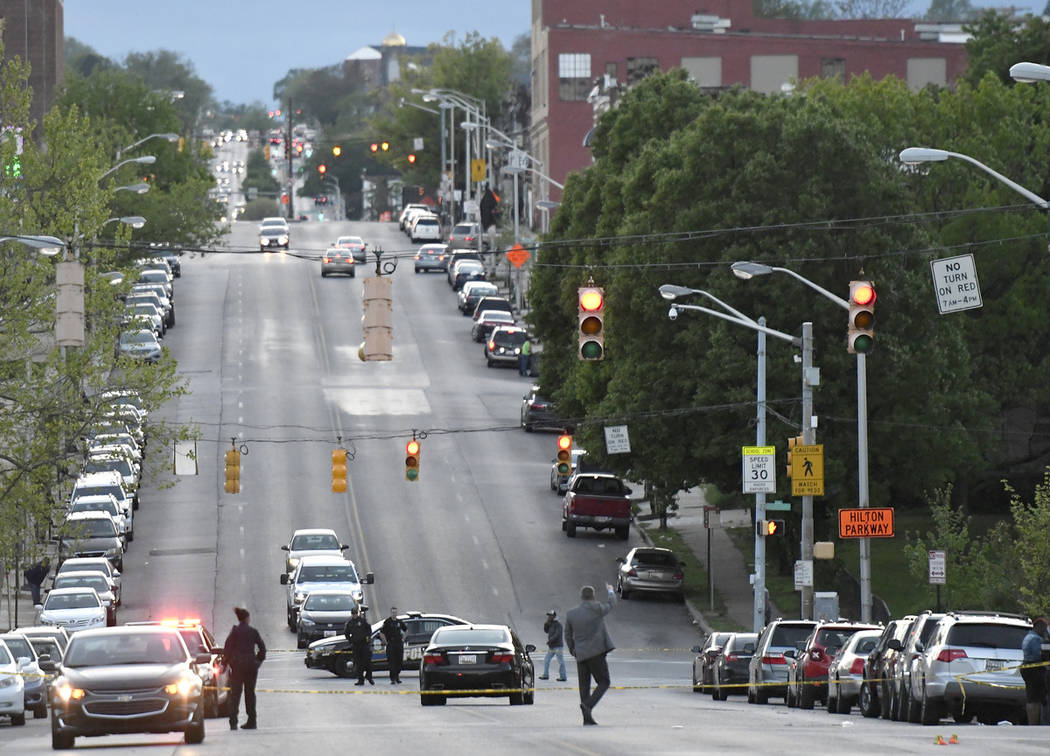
<point x="599" y="501"/>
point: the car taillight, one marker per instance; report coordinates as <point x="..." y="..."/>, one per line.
<point x="502" y="658"/>
<point x="433" y="659"/>
<point x="632" y="572"/>
<point x="774" y="660"/>
<point x="732" y="658"/>
<point x="951" y="654"/>
<point x="857" y="668"/>
<point x="677" y="576"/>
<point x="328" y="259"/>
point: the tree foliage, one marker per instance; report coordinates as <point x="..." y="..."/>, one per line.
<point x="997" y="41"/>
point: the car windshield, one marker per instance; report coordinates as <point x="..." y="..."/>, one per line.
<point x="457" y="636"/>
<point x="93" y="528"/>
<point x="829" y="638"/>
<point x="105" y="464"/>
<point x="509" y="338"/>
<point x="124" y="648"/>
<point x="273" y="231"/>
<point x="326" y="602"/>
<point x="19" y="646"/>
<point x="789" y="636"/>
<point x="98" y="582"/>
<point x="115" y="490"/>
<point x="144" y="309"/>
<point x="46" y="646"/>
<point x="315" y="541"/>
<point x="426" y="222"/>
<point x="336" y="573"/>
<point x="101" y="565"/>
<point x="498" y="316"/>
<point x="478" y="290"/>
<point x="462" y="229"/>
<point x="655" y="559"/>
<point x="986" y="635"/>
<point x="137" y="337"/>
<point x="79" y="600"/>
<point x="95" y="505"/>
<point x="5" y="658"/>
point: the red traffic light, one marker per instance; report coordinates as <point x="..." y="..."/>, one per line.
<point x="411" y="158"/>
<point x="374" y="147"/>
<point x="564" y="442"/>
<point x="863" y="294"/>
<point x="412" y="447"/>
<point x="322" y="168"/>
<point x="591" y="300"/>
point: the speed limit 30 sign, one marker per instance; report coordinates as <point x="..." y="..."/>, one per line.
<point x="759" y="469"/>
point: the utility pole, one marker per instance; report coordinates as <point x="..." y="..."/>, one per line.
<point x="289" y="153"/>
<point x="808" y="438"/>
<point x="760" y="498"/>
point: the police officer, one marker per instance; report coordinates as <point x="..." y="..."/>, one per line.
<point x="393" y="631"/>
<point x="359" y="633"/>
<point x="243" y="660"/>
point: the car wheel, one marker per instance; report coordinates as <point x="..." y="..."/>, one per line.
<point x="761" y="695"/>
<point x="884" y="701"/>
<point x="344" y="664"/>
<point x="554" y="484"/>
<point x="292" y="623"/>
<point x="300" y="641"/>
<point x="353" y="274"/>
<point x="40" y="711"/>
<point x="18" y="720"/>
<point x="517" y="699"/>
<point x="806" y="695"/>
<point x="962" y="716"/>
<point x="526" y="427"/>
<point x="131" y="535"/>
<point x="195" y="731"/>
<point x="570" y="528"/>
<point x="417" y="270"/>
<point x="488" y="362"/>
<point x="929" y="711"/>
<point x="324" y="274"/>
<point x="624" y="594"/>
<point x="60" y="741"/>
<point x="210" y="701"/>
<point x="895" y="704"/>
<point x="530" y="697"/>
<point x="868" y="706"/>
<point x="911" y="710"/>
<point x="135" y="503"/>
<point x="831" y="703"/>
<point x="623" y="532"/>
<point x="720" y="693"/>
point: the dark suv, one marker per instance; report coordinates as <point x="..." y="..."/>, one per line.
<point x="875" y="689"/>
<point x="538" y="412"/>
<point x="909" y="650"/>
<point x="504" y="345"/>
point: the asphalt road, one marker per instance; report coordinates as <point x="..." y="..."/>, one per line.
<point x="269" y="353"/>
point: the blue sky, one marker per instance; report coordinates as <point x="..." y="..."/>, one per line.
<point x="241" y="47"/>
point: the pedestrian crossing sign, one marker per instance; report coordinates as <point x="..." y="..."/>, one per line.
<point x="807" y="470"/>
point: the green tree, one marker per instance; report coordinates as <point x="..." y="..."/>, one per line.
<point x="1030" y="547"/>
<point x="948" y="11"/>
<point x="997" y="42"/>
<point x="170" y="76"/>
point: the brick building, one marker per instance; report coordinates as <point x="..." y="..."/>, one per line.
<point x="584" y="51"/>
<point x="33" y="30"/>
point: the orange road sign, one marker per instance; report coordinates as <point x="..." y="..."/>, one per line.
<point x="518" y="255"/>
<point x="871" y="522"/>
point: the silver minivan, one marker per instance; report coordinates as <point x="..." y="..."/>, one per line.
<point x="767" y="673"/>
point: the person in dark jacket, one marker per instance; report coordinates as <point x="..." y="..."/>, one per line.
<point x="243" y="652"/>
<point x="393" y="631"/>
<point x="589" y="642"/>
<point x="359" y="633"/>
<point x="555" y="641"/>
<point x="1034" y="676"/>
<point x="35" y="576"/>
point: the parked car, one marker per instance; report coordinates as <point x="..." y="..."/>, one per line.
<point x="74" y="609"/>
<point x="91" y="534"/>
<point x="431" y="257"/>
<point x="731" y="663"/>
<point x="909" y="650"/>
<point x="704" y="661"/>
<point x="539" y="412"/>
<point x="34" y="693"/>
<point x="503" y="346"/>
<point x="970" y="667"/>
<point x="407" y="211"/>
<point x="650" y="570"/>
<point x="466" y="659"/>
<point x="467" y="270"/>
<point x="490" y="303"/>
<point x="808" y="677"/>
<point x="12" y="688"/>
<point x="456" y="256"/>
<point x="846" y="672"/>
<point x="95" y="564"/>
<point x="102" y="585"/>
<point x="487" y="322"/>
<point x="768" y="669"/>
<point x="878" y="667"/>
<point x="471" y="292"/>
<point x="139" y="344"/>
<point x="464" y="236"/>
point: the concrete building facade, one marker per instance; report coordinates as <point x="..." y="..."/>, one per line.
<point x="34" y="31"/>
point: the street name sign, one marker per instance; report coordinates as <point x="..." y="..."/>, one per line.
<point x="938" y="571"/>
<point x="867" y="522"/>
<point x="807" y="470"/>
<point x="759" y="470"/>
<point x="955" y="284"/>
<point x="778" y="506"/>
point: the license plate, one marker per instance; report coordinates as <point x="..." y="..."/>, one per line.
<point x="329" y="633"/>
<point x="603" y="519"/>
<point x="415" y="653"/>
<point x="994" y="665"/>
<point x="468" y="659"/>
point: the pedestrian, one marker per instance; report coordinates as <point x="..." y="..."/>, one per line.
<point x="243" y="652"/>
<point x="35" y="576"/>
<point x="525" y="357"/>
<point x="555" y="641"/>
<point x="1034" y="676"/>
<point x="589" y="642"/>
<point x="359" y="633"/>
<point x="393" y="631"/>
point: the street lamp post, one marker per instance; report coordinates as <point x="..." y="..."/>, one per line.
<point x="671" y="292"/>
<point x="167" y="135"/>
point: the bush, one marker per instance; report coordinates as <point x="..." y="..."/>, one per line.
<point x="260" y="208"/>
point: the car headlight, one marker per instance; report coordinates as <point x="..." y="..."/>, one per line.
<point x="66" y="692"/>
<point x="358" y="594"/>
<point x="293" y="562"/>
<point x="184" y="686"/>
<point x="299" y="596"/>
<point x="282" y="240"/>
<point x="8" y="680"/>
<point x="306" y="622"/>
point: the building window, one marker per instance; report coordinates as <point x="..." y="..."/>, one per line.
<point x="574" y="76"/>
<point x="639" y="68"/>
<point x="610" y="71"/>
<point x="833" y="68"/>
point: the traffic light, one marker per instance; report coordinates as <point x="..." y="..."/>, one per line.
<point x="374" y="147"/>
<point x="337" y="150"/>
<point x="592" y="325"/>
<point x="564" y="460"/>
<point x="412" y="449"/>
<point x="377" y="146"/>
<point x="338" y="470"/>
<point x="411" y="158"/>
<point x="765" y="528"/>
<point x="233" y="471"/>
<point x="860" y="338"/>
<point x="322" y="168"/>
<point x="792" y="443"/>
<point x="266" y="152"/>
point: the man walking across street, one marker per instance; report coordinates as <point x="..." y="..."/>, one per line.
<point x="555" y="641"/>
<point x="243" y="652"/>
<point x="589" y="642"/>
<point x="35" y="576"/>
<point x="393" y="631"/>
<point x="1034" y="677"/>
<point x="359" y="633"/>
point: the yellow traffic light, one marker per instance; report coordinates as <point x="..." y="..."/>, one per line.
<point x="792" y="443"/>
<point x="266" y="152"/>
<point x="860" y="337"/>
<point x="337" y="150"/>
<point x="564" y="460"/>
<point x="412" y="449"/>
<point x="338" y="470"/>
<point x="233" y="471"/>
<point x="384" y="146"/>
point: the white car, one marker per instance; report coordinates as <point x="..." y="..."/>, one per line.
<point x="274" y="222"/>
<point x="426" y="228"/>
<point x="407" y="211"/>
<point x="312" y="542"/>
<point x="95" y="564"/>
<point x="107" y="482"/>
<point x="114" y="459"/>
<point x="125" y="440"/>
<point x="103" y="586"/>
<point x="317" y="573"/>
<point x="74" y="609"/>
<point x="12" y="688"/>
<point x="107" y="504"/>
<point x="846" y="671"/>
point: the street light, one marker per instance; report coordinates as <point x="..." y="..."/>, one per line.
<point x="1027" y="73"/>
<point x="141" y="160"/>
<point x="747" y="271"/>
<point x="140" y="188"/>
<point x="671" y="292"/>
<point x="48" y="246"/>
<point x="166" y="135"/>
<point x="135" y="221"/>
<point x="916" y="155"/>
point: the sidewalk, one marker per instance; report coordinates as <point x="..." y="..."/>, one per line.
<point x="24" y="602"/>
<point x="732" y="571"/>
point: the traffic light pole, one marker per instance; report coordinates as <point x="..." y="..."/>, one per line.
<point x="862" y="483"/>
<point x="760" y="498"/>
<point x="290" y="154"/>
<point x="808" y="438"/>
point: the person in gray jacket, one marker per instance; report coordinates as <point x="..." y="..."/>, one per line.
<point x="555" y="641"/>
<point x="589" y="642"/>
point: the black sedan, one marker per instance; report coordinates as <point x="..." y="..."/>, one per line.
<point x="118" y="680"/>
<point x="730" y="673"/>
<point x="334" y="654"/>
<point x="476" y="661"/>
